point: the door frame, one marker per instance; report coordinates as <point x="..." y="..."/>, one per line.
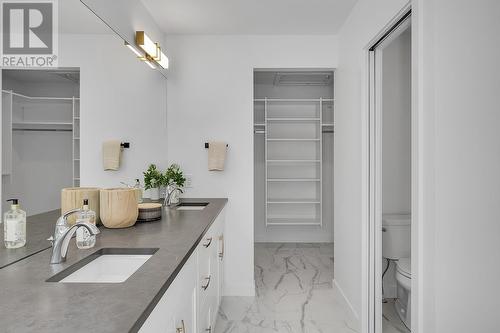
<point x="372" y="180"/>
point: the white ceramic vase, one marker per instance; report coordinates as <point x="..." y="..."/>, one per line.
<point x="154" y="193"/>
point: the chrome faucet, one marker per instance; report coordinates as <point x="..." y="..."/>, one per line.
<point x="171" y="189"/>
<point x="63" y="234"/>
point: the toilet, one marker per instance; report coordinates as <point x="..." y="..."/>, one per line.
<point x="396" y="240"/>
<point x="403" y="302"/>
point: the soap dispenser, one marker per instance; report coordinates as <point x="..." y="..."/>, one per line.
<point x="84" y="240"/>
<point x="14" y="228"/>
<point x="138" y="190"/>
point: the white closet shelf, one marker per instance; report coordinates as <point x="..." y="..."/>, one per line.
<point x="297" y="221"/>
<point x="293" y="161"/>
<point x="294" y="119"/>
<point x="293" y="179"/>
<point x="49" y="126"/>
<point x="293" y="99"/>
<point x="41" y="98"/>
<point x="292" y="139"/>
<point x="293" y="201"/>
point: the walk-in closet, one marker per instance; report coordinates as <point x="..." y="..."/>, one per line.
<point x="40" y="136"/>
<point x="293" y="155"/>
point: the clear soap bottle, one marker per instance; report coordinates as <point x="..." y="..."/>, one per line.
<point x="14" y="228"/>
<point x="138" y="190"/>
<point x="84" y="240"/>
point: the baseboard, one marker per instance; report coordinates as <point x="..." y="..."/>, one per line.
<point x="347" y="303"/>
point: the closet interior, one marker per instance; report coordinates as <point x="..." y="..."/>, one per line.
<point x="40" y="136"/>
<point x="293" y="155"/>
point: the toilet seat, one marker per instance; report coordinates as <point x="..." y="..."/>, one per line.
<point x="403" y="267"/>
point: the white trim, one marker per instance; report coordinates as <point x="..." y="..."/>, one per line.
<point x="347" y="304"/>
<point x="371" y="245"/>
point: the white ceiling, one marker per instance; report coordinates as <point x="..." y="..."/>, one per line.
<point x="266" y="17"/>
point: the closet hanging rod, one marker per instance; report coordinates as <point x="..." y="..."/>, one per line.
<point x="41" y="130"/>
<point x="293" y="99"/>
<point x="40" y="98"/>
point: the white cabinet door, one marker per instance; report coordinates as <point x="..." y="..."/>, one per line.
<point x="210" y="275"/>
<point x="175" y="312"/>
<point x="220" y="262"/>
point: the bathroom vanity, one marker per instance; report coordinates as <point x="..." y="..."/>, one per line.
<point x="177" y="289"/>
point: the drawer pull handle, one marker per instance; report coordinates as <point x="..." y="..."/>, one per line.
<point x="221" y="253"/>
<point x="204" y="287"/>
<point x="209" y="242"/>
<point x="181" y="329"/>
<point x="209" y="329"/>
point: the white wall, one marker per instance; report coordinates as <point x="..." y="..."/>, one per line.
<point x="396" y="126"/>
<point x="210" y="97"/>
<point x="459" y="61"/>
<point x="121" y="98"/>
<point x="367" y="18"/>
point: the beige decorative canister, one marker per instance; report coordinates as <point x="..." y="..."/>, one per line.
<point x="119" y="207"/>
<point x="72" y="198"/>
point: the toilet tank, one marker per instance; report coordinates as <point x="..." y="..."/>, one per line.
<point x="396" y="236"/>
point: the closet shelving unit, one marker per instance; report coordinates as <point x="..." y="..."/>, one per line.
<point x="76" y="140"/>
<point x="14" y="120"/>
<point x="293" y="131"/>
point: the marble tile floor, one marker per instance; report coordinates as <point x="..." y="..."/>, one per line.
<point x="390" y="319"/>
<point x="294" y="294"/>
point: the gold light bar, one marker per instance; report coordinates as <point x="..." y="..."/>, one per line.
<point x="144" y="42"/>
<point x="163" y="61"/>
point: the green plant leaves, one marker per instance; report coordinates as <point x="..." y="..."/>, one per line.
<point x="154" y="178"/>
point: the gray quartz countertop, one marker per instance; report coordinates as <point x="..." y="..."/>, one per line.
<point x="30" y="304"/>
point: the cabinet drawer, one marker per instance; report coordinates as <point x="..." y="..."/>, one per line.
<point x="206" y="318"/>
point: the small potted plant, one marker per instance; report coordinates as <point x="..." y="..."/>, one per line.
<point x="153" y="179"/>
<point x="174" y="180"/>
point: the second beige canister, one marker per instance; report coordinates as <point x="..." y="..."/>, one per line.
<point x="119" y="207"/>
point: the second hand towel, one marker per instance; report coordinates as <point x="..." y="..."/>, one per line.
<point x="216" y="156"/>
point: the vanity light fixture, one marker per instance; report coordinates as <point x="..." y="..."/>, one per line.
<point x="163" y="61"/>
<point x="133" y="49"/>
<point x="152" y="50"/>
<point x="150" y="64"/>
<point x="147" y="45"/>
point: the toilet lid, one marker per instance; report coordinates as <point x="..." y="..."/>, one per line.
<point x="404" y="266"/>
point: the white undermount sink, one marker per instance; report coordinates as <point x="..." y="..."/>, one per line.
<point x="103" y="267"/>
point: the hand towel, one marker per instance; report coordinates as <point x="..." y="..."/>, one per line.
<point x="216" y="156"/>
<point x="111" y="151"/>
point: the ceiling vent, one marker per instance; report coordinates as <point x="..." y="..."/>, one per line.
<point x="303" y="79"/>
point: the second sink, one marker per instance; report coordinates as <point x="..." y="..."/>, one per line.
<point x="191" y="206"/>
